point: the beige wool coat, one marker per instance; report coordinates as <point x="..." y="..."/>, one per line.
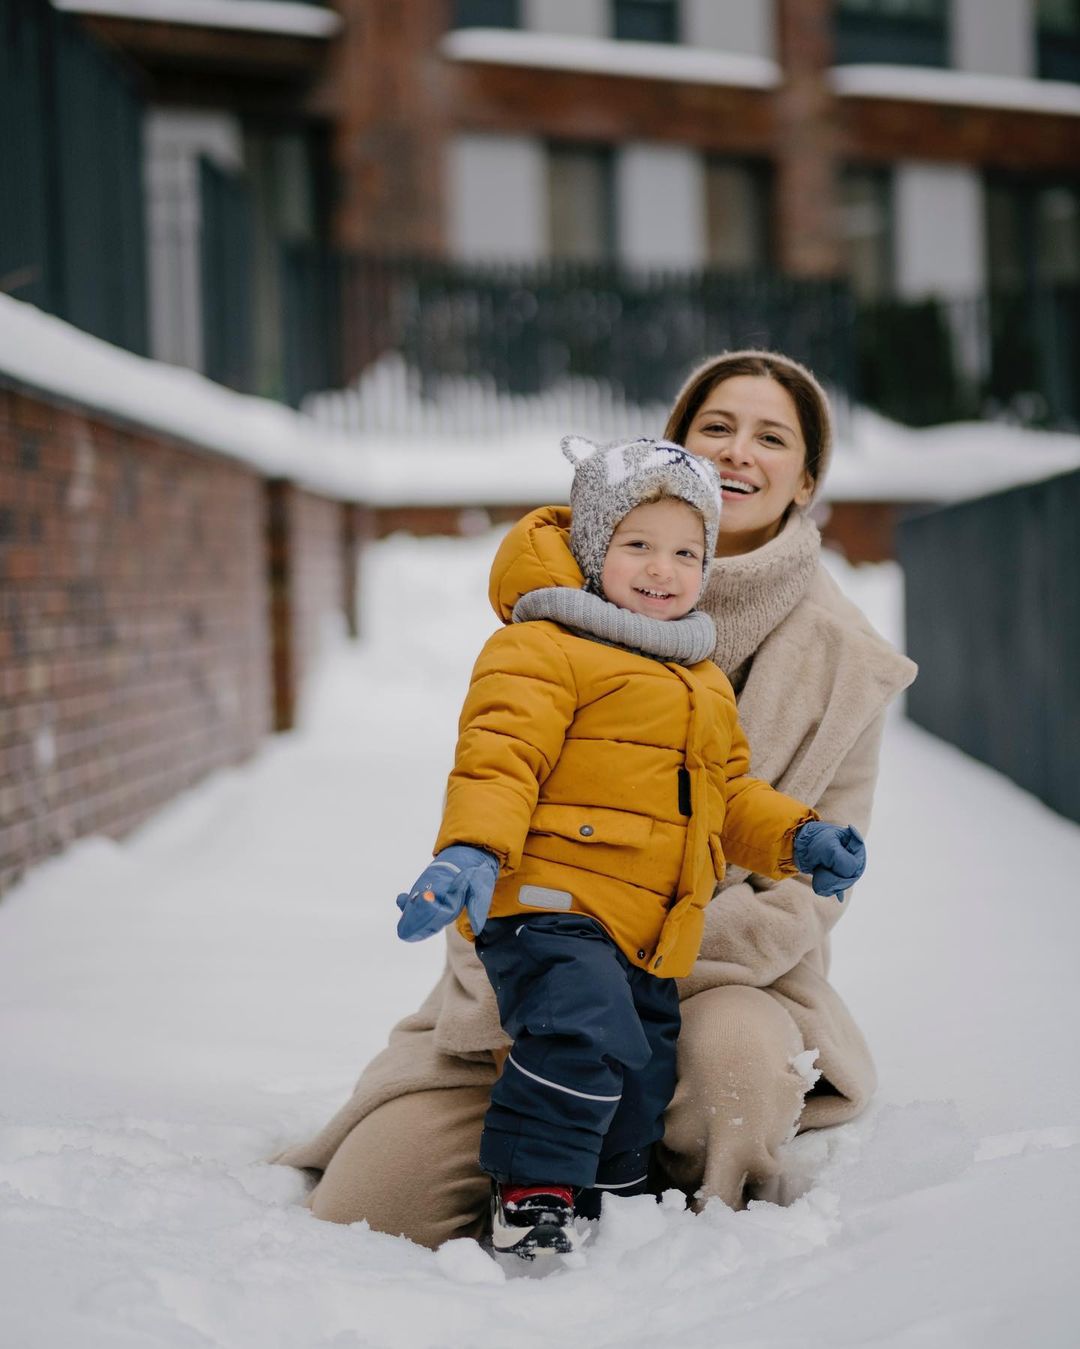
<point x="814" y="680"/>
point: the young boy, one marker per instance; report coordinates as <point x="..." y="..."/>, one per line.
<point x="600" y="779"/>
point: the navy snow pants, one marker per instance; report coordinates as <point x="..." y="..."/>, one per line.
<point x="581" y="1098"/>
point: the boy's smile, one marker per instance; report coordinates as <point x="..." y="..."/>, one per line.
<point x="655" y="561"/>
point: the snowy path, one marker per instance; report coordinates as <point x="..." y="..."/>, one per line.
<point x="174" y="1009"/>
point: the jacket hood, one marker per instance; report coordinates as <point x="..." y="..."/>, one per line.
<point x="533" y="556"/>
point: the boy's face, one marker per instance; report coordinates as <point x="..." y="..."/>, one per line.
<point x="655" y="561"/>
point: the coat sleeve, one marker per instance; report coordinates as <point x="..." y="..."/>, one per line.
<point x="521" y="698"/>
<point x="756" y="932"/>
<point x="759" y="822"/>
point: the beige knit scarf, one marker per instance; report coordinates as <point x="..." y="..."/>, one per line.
<point x="748" y="596"/>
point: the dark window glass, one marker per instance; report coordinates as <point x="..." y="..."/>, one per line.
<point x="866" y="229"/>
<point x="1033" y="232"/>
<point x="487" y="14"/>
<point x="736" y="215"/>
<point x="580" y="203"/>
<point x="1059" y="39"/>
<point x="646" y="20"/>
<point x="894" y="32"/>
<point x="1059" y="16"/>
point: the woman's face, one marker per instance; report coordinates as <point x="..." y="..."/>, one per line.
<point x="749" y="428"/>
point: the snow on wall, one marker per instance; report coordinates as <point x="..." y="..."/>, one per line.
<point x="875" y="460"/>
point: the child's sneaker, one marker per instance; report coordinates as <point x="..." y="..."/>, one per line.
<point x="530" y="1220"/>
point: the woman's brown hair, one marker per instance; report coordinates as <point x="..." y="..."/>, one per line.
<point x="811" y="401"/>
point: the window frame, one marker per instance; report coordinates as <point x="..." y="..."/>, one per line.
<point x="873" y="36"/>
<point x="602" y="154"/>
<point x="1058" y="48"/>
<point x="485" y="14"/>
<point x="623" y="11"/>
<point x="882" y="176"/>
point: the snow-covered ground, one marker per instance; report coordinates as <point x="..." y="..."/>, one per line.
<point x="175" y="1008"/>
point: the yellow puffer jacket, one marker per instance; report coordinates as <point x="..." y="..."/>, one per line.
<point x="607" y="783"/>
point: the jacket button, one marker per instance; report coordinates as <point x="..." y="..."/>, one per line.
<point x="586" y="831"/>
<point x="658" y="962"/>
<point x="641" y="955"/>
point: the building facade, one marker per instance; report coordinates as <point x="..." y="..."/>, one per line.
<point x="917" y="148"/>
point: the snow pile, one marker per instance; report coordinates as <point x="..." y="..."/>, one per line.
<point x="45" y="353"/>
<point x="875" y="459"/>
<point x="177" y="1007"/>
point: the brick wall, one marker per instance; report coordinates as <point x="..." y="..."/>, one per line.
<point x="311" y="597"/>
<point x="135" y="619"/>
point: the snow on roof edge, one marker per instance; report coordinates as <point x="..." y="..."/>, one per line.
<point x="926" y="84"/>
<point x="262" y="16"/>
<point x="609" y="56"/>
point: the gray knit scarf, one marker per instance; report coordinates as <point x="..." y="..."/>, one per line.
<point x="683" y="640"/>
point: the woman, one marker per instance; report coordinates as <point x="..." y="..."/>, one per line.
<point x="813" y="681"/>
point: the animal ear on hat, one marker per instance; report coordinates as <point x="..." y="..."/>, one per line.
<point x="577" y="448"/>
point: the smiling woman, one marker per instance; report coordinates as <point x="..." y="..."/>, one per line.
<point x="813" y="682"/>
<point x="764" y="423"/>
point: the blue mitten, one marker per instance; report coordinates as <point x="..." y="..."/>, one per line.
<point x="834" y="855"/>
<point x="457" y="878"/>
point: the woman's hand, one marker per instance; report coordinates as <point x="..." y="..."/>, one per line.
<point x="833" y="855"/>
<point x="457" y="878"/>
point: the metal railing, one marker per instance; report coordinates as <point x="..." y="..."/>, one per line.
<point x="411" y="343"/>
<point x="417" y="344"/>
<point x="992" y="598"/>
<point x="1003" y="355"/>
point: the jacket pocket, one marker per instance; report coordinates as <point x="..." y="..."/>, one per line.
<point x="593" y="825"/>
<point x="718" y="860"/>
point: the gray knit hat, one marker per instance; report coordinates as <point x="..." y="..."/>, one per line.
<point x="610" y="480"/>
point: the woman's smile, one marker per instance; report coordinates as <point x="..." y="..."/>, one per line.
<point x="748" y="426"/>
<point x="733" y="486"/>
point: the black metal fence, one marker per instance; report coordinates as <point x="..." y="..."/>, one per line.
<point x="71" y="206"/>
<point x="1005" y="354"/>
<point x="469" y="335"/>
<point x="993" y="619"/>
<point x="402" y="338"/>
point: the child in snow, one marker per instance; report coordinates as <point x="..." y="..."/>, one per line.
<point x="600" y="781"/>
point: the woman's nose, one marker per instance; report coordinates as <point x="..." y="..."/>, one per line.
<point x="737" y="449"/>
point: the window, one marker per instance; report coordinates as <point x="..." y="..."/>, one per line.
<point x="866" y="230"/>
<point x="736" y="215"/>
<point x="893" y="32"/>
<point x="581" y="216"/>
<point x="1033" y="233"/>
<point x="646" y="20"/>
<point x="1059" y="39"/>
<point x="487" y="14"/>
